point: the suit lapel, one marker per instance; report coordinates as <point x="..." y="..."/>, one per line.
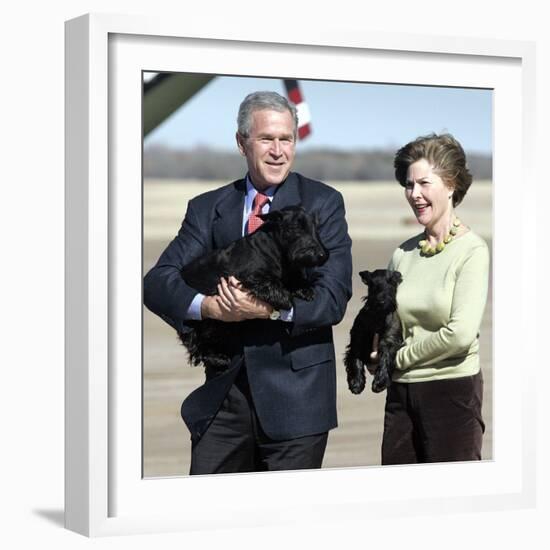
<point x="227" y="225"/>
<point x="288" y="194"/>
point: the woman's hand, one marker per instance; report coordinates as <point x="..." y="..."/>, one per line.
<point x="233" y="303"/>
<point x="374" y="360"/>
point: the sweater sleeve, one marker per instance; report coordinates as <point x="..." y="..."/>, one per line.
<point x="468" y="304"/>
<point x="394" y="261"/>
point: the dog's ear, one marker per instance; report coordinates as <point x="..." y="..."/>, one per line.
<point x="396" y="277"/>
<point x="273" y="216"/>
<point x="365" y="276"/>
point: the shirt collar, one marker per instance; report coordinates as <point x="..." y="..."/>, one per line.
<point x="251" y="192"/>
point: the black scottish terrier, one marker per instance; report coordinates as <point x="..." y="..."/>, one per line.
<point x="270" y="263"/>
<point x="377" y="316"/>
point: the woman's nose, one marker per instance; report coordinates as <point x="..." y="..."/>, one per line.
<point x="415" y="190"/>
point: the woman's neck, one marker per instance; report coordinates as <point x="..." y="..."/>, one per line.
<point x="436" y="233"/>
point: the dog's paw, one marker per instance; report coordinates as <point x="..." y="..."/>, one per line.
<point x="381" y="380"/>
<point x="356" y="376"/>
<point x="356" y="386"/>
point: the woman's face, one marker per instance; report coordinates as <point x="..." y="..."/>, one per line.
<point x="427" y="194"/>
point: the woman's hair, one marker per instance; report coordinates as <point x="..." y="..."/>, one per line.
<point x="446" y="156"/>
<point x="258" y="101"/>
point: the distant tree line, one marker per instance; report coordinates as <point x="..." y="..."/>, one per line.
<point x="322" y="164"/>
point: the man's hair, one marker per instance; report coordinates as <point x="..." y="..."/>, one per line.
<point x="259" y="101"/>
<point x="446" y="156"/>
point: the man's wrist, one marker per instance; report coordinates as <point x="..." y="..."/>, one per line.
<point x="206" y="312"/>
<point x="194" y="313"/>
<point x="285" y="315"/>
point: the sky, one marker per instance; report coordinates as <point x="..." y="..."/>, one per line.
<point x="343" y="115"/>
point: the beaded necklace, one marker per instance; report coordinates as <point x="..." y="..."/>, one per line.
<point x="428" y="250"/>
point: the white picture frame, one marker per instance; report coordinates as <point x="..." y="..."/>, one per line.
<point x="105" y="493"/>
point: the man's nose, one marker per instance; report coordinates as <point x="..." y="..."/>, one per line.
<point x="275" y="148"/>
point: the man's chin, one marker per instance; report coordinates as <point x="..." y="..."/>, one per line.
<point x="276" y="179"/>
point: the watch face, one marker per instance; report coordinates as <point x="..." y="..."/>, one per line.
<point x="275" y="314"/>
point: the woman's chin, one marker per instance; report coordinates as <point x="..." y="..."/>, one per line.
<point x="423" y="220"/>
<point x="424" y="217"/>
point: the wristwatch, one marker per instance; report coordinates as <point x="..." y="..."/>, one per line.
<point x="275" y="315"/>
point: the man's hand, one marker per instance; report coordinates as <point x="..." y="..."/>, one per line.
<point x="372" y="364"/>
<point x="233" y="303"/>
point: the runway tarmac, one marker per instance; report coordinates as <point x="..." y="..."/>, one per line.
<point x="379" y="219"/>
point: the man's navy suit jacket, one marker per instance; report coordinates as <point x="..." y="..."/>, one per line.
<point x="290" y="366"/>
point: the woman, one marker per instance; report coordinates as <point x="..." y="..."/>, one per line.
<point x="433" y="406"/>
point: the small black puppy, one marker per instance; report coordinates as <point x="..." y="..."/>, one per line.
<point x="377" y="316"/>
<point x="270" y="263"/>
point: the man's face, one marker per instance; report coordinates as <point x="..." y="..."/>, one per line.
<point x="270" y="148"/>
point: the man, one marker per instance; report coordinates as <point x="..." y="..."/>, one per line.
<point x="273" y="408"/>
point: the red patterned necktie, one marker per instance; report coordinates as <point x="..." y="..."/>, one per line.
<point x="253" y="220"/>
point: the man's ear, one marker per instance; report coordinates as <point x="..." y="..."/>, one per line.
<point x="241" y="143"/>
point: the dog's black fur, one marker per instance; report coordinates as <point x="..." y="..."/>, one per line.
<point x="270" y="263"/>
<point x="377" y="316"/>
